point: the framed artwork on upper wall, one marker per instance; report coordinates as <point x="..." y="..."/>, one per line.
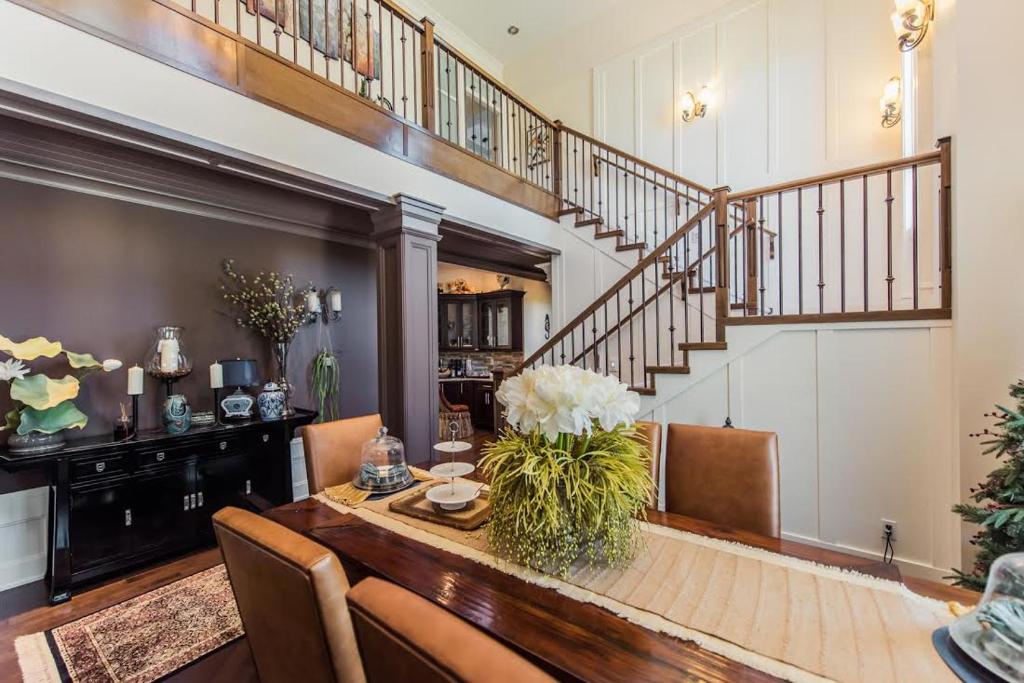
<point x="538" y="141"/>
<point x="367" y="63"/>
<point x="325" y="33"/>
<point x="281" y="12"/>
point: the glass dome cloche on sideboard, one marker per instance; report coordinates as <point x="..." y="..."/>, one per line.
<point x="382" y="466"/>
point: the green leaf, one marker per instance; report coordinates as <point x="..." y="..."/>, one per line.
<point x="41" y="392"/>
<point x="52" y="420"/>
<point x="11" y="420"/>
<point x="82" y="360"/>
<point x="30" y="349"/>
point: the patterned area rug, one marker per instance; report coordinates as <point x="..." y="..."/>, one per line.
<point x="139" y="640"/>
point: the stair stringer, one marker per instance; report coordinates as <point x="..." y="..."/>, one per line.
<point x="741" y="339"/>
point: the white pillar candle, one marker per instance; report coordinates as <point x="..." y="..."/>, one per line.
<point x="216" y="376"/>
<point x="335" y="301"/>
<point x="313" y="302"/>
<point x="135" y="380"/>
<point x="169" y="355"/>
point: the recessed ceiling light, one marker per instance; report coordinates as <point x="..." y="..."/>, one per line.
<point x="512" y="30"/>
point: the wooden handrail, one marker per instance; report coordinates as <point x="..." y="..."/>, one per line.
<point x="663" y="186"/>
<point x="614" y="289"/>
<point x="638" y="160"/>
<point x="860" y="171"/>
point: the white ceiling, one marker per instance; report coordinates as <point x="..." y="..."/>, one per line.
<point x="539" y="21"/>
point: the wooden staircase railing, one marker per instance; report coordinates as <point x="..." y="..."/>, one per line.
<point x="645" y="323"/>
<point x="621" y="195"/>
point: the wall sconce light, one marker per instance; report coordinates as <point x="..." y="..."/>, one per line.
<point x="891" y="102"/>
<point x="323" y="305"/>
<point x="910" y="22"/>
<point x="696" y="106"/>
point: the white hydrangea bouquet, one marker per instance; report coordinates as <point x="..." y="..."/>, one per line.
<point x="570" y="477"/>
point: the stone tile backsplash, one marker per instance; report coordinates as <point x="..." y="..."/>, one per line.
<point x="486" y="359"/>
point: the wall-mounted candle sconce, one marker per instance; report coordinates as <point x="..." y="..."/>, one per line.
<point x="891" y="102"/>
<point x="694" y="107"/>
<point x="323" y="305"/>
<point x="910" y="22"/>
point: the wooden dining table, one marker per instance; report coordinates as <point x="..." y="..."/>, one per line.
<point x="572" y="640"/>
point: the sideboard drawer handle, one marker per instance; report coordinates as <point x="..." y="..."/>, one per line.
<point x="100" y="466"/>
<point x="248" y="486"/>
<point x="266" y="438"/>
<point x="186" y="501"/>
<point x="192" y="501"/>
<point x="128" y="517"/>
<point x="200" y="499"/>
<point x="160" y="457"/>
<point x="223" y="445"/>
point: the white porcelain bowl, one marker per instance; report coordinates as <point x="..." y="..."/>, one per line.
<point x="453" y="496"/>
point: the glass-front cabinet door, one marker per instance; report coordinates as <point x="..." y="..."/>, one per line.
<point x="486" y="324"/>
<point x="452" y="328"/>
<point x="467" y="322"/>
<point x="503" y="323"/>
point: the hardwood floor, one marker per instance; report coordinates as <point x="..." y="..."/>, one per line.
<point x="24" y="610"/>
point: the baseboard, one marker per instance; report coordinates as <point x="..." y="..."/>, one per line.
<point x="907" y="567"/>
<point x="18" y="572"/>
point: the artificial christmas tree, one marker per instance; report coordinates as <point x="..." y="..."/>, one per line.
<point x="1000" y="498"/>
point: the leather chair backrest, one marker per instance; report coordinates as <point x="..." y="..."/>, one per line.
<point x="333" y="449"/>
<point x="290" y="593"/>
<point x="651" y="433"/>
<point x="725" y="476"/>
<point x="403" y="637"/>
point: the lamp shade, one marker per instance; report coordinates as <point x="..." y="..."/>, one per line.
<point x="240" y="372"/>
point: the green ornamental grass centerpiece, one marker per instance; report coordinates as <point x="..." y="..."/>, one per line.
<point x="569" y="479"/>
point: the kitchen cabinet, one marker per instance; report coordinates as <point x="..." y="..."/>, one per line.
<point x="477" y="395"/>
<point x="481" y="322"/>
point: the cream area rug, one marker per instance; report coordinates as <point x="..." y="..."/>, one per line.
<point x="139" y="640"/>
<point x="784" y="616"/>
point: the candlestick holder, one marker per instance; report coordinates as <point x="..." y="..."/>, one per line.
<point x="135" y="417"/>
<point x="216" y="407"/>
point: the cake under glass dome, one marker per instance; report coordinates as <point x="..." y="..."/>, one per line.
<point x="382" y="466"/>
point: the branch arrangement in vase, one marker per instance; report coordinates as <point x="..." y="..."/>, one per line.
<point x="268" y="303"/>
<point x="570" y="479"/>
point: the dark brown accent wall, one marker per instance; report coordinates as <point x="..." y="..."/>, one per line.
<point x="99" y="274"/>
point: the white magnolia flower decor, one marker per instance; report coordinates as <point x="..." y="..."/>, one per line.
<point x="565" y="399"/>
<point x="11" y="370"/>
<point x="111" y="364"/>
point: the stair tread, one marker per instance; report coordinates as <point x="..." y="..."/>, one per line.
<point x="569" y="211"/>
<point x="669" y="369"/>
<point x="644" y="391"/>
<point x="703" y="346"/>
<point x="702" y="290"/>
<point x="637" y="246"/>
<point x="607" y="233"/>
<point x="589" y="221"/>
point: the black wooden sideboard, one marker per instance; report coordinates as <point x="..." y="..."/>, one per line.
<point x="118" y="504"/>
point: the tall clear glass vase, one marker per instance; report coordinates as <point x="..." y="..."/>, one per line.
<point x="281" y="356"/>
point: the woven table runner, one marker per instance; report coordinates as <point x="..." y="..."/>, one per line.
<point x="785" y="616"/>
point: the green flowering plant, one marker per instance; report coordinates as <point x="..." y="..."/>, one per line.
<point x="267" y="303"/>
<point x="570" y="479"/>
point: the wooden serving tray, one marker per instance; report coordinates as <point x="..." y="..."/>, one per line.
<point x="416" y="505"/>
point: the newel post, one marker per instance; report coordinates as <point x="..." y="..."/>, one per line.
<point x="556" y="158"/>
<point x="750" y="253"/>
<point x="946" y="220"/>
<point x="720" y="199"/>
<point x="429" y="94"/>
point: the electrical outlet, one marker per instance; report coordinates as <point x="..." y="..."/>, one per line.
<point x="887" y="526"/>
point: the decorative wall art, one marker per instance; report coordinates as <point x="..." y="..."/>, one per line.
<point x="538" y="146"/>
<point x="281" y="12"/>
<point x="325" y="35"/>
<point x="367" y="64"/>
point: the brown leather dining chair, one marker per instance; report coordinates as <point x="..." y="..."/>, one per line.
<point x="725" y="476"/>
<point x="403" y="637"/>
<point x="333" y="449"/>
<point x="651" y="436"/>
<point x="290" y="593"/>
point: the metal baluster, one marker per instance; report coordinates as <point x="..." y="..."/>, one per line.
<point x="914" y="231"/>
<point x="842" y="245"/>
<point x="821" y="252"/>
<point x="865" y="241"/>
<point x="700" y="276"/>
<point x="391" y="20"/>
<point x="405" y="86"/>
<point x="800" y="249"/>
<point x="779" y="255"/>
<point x="607" y="358"/>
<point x="888" y="232"/>
<point x="762" y="273"/>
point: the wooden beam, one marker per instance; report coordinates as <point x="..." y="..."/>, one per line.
<point x="849" y="317"/>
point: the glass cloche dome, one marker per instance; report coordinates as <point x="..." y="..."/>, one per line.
<point x="993" y="634"/>
<point x="383" y="468"/>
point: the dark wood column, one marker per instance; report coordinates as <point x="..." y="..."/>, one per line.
<point x="407" y="239"/>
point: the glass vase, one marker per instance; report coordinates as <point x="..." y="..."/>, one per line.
<point x="168" y="361"/>
<point x="281" y="350"/>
